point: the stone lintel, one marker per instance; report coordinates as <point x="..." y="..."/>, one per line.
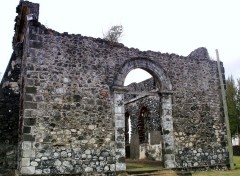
<point x="120" y="89"/>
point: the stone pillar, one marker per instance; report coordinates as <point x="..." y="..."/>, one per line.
<point x="167" y="127"/>
<point x="119" y="130"/>
<point x="26" y="166"/>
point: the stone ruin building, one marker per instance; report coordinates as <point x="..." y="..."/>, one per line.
<point x="64" y="108"/>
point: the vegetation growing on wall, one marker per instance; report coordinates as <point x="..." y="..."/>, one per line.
<point x="114" y="34"/>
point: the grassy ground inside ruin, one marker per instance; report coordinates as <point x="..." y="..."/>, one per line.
<point x="235" y="172"/>
<point x="143" y="165"/>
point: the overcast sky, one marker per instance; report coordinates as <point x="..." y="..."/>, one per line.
<point x="173" y="26"/>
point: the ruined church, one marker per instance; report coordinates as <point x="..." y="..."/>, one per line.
<point x="64" y="108"/>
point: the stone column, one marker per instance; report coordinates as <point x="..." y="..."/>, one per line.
<point x="119" y="114"/>
<point x="27" y="167"/>
<point x="167" y="127"/>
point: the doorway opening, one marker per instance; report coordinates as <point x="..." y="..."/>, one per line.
<point x="152" y="99"/>
<point x="143" y="140"/>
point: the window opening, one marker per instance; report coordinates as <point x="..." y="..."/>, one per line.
<point x="142" y="126"/>
<point x="127" y="128"/>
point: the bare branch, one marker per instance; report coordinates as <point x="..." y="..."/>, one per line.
<point x="113" y="34"/>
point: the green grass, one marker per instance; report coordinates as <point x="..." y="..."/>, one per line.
<point x="142" y="165"/>
<point x="133" y="166"/>
<point x="236" y="160"/>
<point x="235" y="172"/>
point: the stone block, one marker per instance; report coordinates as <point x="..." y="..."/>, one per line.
<point x="119" y="110"/>
<point x="38" y="171"/>
<point x="106" y="168"/>
<point x="28" y="97"/>
<point x="25" y="161"/>
<point x="120" y="123"/>
<point x="26" y="145"/>
<point x="28" y="153"/>
<point x="31" y="90"/>
<point x="28" y="137"/>
<point x="120" y="166"/>
<point x="88" y="169"/>
<point x="34" y="163"/>
<point x="29" y="121"/>
<point x="28" y="170"/>
<point x="28" y="113"/>
<point x="112" y="167"/>
<point x="30" y="105"/>
<point x="119" y="117"/>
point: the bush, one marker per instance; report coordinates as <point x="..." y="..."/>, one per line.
<point x="113" y="34"/>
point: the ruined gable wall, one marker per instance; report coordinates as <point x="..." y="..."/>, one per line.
<point x="11" y="93"/>
<point x="68" y="104"/>
<point x="72" y="77"/>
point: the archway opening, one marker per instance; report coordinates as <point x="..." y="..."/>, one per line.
<point x="143" y="140"/>
<point x="155" y="94"/>
<point x="135" y="76"/>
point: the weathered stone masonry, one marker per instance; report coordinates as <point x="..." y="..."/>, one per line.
<point x="9" y="112"/>
<point x="62" y="103"/>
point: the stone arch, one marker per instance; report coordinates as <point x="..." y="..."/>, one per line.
<point x="158" y="73"/>
<point x="148" y="65"/>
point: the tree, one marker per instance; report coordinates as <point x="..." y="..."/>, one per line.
<point x="238" y="98"/>
<point x="231" y="94"/>
<point x="113" y="34"/>
<point x="238" y="107"/>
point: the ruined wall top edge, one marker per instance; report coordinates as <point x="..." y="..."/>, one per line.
<point x="200" y="53"/>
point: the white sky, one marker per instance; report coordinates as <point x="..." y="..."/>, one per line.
<point x="173" y="26"/>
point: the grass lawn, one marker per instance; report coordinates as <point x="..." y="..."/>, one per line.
<point x="235" y="172"/>
<point x="143" y="165"/>
<point x="133" y="165"/>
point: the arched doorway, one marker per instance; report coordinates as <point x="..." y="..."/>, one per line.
<point x="165" y="90"/>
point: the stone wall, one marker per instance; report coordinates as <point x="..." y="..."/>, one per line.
<point x="9" y="112"/>
<point x="199" y="131"/>
<point x="73" y="112"/>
